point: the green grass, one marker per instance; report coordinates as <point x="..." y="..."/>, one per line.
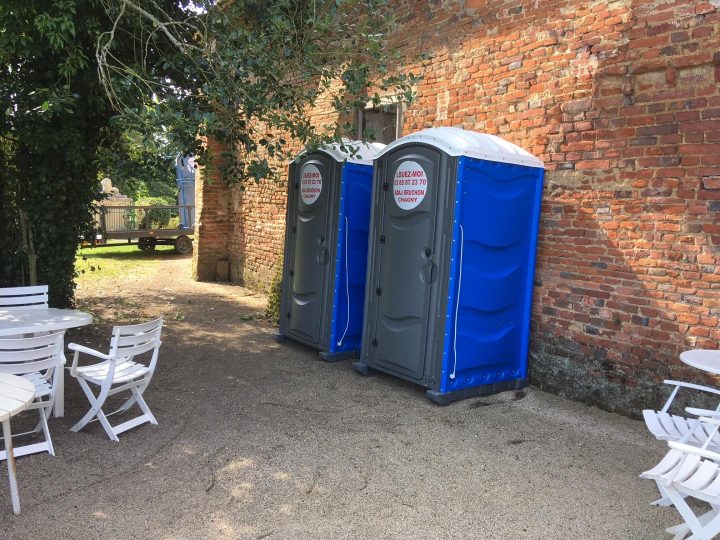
<point x="116" y="260"/>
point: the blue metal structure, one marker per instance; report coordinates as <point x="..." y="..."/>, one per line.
<point x="351" y="259"/>
<point x="326" y="240"/>
<point x="185" y="178"/>
<point x="492" y="262"/>
<point x="450" y="277"/>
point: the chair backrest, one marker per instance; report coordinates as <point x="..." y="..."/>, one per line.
<point x="131" y="340"/>
<point x="24" y="297"/>
<point x="19" y="356"/>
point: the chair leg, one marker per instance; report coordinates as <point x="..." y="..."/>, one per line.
<point x="95" y="411"/>
<point x="126" y="406"/>
<point x="37" y="429"/>
<point x="695" y="524"/>
<point x="46" y="430"/>
<point x="679" y="532"/>
<point x="59" y="405"/>
<point x="7" y="435"/>
<point x="95" y="405"/>
<point x="712" y="528"/>
<point x="143" y="405"/>
<point x="106" y="426"/>
<point x="132" y="400"/>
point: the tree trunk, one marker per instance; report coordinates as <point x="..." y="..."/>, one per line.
<point x="28" y="246"/>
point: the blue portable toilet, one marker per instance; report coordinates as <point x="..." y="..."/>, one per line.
<point x="451" y="260"/>
<point x="185" y="178"/>
<point x="326" y="239"/>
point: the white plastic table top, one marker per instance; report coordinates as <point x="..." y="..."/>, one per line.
<point x="15" y="394"/>
<point x="704" y="359"/>
<point x="28" y="321"/>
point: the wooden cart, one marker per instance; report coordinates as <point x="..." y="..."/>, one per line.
<point x="149" y="225"/>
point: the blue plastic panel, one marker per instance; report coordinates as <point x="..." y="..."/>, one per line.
<point x="497" y="210"/>
<point x="185" y="178"/>
<point x="351" y="261"/>
<point x="186" y="197"/>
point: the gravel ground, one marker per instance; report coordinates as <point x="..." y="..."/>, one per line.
<point x="262" y="440"/>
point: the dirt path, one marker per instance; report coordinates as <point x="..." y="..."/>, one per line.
<point x="262" y="440"/>
<point x="167" y="291"/>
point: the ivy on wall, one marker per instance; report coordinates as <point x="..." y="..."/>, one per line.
<point x="54" y="120"/>
<point x="53" y="110"/>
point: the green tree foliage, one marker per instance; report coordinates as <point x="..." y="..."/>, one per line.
<point x="139" y="167"/>
<point x="53" y="110"/>
<point x="246" y="72"/>
<point x="274" y="301"/>
<point x="54" y="118"/>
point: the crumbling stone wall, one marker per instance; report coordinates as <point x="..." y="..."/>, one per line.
<point x="212" y="221"/>
<point x="621" y="100"/>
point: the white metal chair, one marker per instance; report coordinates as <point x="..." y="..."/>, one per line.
<point x="118" y="372"/>
<point x="38" y="360"/>
<point x="671" y="427"/>
<point x="691" y="472"/>
<point x="24" y="297"/>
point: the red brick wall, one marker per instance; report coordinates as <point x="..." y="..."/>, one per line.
<point x="257" y="222"/>
<point x="258" y="232"/>
<point x="212" y="221"/>
<point x="621" y="100"/>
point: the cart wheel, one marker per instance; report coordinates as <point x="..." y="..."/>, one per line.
<point x="183" y="245"/>
<point x="147" y="244"/>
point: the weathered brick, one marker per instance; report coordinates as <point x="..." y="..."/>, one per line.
<point x="624" y="111"/>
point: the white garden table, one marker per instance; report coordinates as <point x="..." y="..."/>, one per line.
<point x="703" y="359"/>
<point x="33" y="320"/>
<point x="15" y="394"/>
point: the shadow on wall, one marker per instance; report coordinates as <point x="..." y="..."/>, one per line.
<point x="626" y="274"/>
<point x="257" y="230"/>
<point x="620" y="99"/>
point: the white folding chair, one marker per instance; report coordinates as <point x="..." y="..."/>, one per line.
<point x="672" y="427"/>
<point x="119" y="372"/>
<point x="37" y="359"/>
<point x="24" y="297"/>
<point x="691" y="472"/>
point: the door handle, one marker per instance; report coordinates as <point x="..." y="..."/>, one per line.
<point x="323" y="256"/>
<point x="430" y="273"/>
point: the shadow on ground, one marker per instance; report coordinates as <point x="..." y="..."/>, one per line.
<point x="132" y="253"/>
<point x="263" y="440"/>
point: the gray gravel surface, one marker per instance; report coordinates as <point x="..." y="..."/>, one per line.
<point x="262" y="440"/>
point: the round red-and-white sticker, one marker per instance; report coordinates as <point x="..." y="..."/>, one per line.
<point x="310" y="183"/>
<point x="409" y="185"/>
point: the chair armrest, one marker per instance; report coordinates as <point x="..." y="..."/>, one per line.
<point x="694" y="386"/>
<point x="682" y="384"/>
<point x="688" y="449"/>
<point x="87" y="350"/>
<point x="702" y="412"/>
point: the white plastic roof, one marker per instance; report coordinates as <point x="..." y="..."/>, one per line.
<point x="460" y="142"/>
<point x="364" y="152"/>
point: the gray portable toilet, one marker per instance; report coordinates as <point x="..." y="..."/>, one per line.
<point x="451" y="259"/>
<point x="328" y="215"/>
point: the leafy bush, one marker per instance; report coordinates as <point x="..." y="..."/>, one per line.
<point x="272" y="312"/>
<point x="55" y="121"/>
<point x="159" y="218"/>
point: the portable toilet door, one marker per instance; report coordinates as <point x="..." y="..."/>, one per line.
<point x="451" y="261"/>
<point x="326" y="238"/>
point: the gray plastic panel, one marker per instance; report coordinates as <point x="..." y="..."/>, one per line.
<point x="403" y="270"/>
<point x="308" y="253"/>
